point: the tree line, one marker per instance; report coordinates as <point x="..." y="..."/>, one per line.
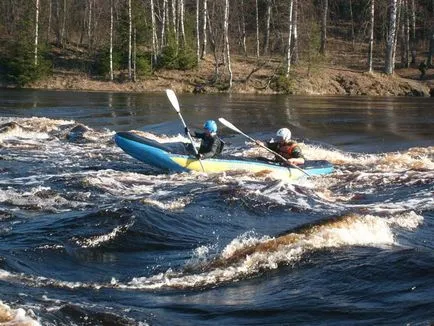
<point x="129" y="39"/>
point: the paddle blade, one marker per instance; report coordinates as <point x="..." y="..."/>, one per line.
<point x="225" y="122"/>
<point x="173" y="99"/>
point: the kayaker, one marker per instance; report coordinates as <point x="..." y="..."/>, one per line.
<point x="284" y="146"/>
<point x="211" y="145"/>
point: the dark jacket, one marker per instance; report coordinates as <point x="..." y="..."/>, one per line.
<point x="210" y="146"/>
<point x="287" y="150"/>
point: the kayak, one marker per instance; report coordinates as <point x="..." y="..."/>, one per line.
<point x="165" y="157"/>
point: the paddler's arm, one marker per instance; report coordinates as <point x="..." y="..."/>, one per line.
<point x="187" y="131"/>
<point x="297" y="158"/>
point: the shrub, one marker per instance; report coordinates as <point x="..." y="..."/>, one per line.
<point x="17" y="64"/>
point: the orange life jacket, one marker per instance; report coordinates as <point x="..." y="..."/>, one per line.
<point x="286" y="150"/>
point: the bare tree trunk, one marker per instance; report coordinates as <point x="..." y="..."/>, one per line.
<point x="175" y="30"/>
<point x="371" y="37"/>
<point x="405" y="46"/>
<point x="288" y="56"/>
<point x="163" y="23"/>
<point x="204" y="27"/>
<point x="389" y="65"/>
<point x="398" y="22"/>
<point x="36" y="31"/>
<point x="154" y="33"/>
<point x="322" y="49"/>
<point x="226" y="33"/>
<point x="295" y="33"/>
<point x="135" y="55"/>
<point x="431" y="49"/>
<point x="63" y="30"/>
<point x="130" y="31"/>
<point x="89" y="25"/>
<point x="257" y="29"/>
<point x="50" y="5"/>
<point x="413" y="33"/>
<point x="57" y="28"/>
<point x="267" y="27"/>
<point x="197" y="32"/>
<point x="111" y="40"/>
<point x="243" y="28"/>
<point x="181" y="20"/>
<point x="353" y="38"/>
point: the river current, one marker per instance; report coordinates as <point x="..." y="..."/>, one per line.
<point x="91" y="236"/>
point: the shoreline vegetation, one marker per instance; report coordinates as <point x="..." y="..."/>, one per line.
<point x="250" y="78"/>
<point x="312" y="47"/>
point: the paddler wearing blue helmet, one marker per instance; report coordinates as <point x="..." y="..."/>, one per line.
<point x="211" y="145"/>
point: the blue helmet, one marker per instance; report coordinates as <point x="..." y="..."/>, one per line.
<point x="211" y="126"/>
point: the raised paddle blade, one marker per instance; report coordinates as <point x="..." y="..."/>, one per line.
<point x="231" y="126"/>
<point x="228" y="124"/>
<point x="173" y="99"/>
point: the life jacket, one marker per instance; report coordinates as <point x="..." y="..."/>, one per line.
<point x="286" y="150"/>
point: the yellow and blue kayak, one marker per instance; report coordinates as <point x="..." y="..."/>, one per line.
<point x="160" y="156"/>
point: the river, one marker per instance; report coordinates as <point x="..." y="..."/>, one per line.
<point x="91" y="236"/>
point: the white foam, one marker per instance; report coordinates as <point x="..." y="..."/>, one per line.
<point x="16" y="317"/>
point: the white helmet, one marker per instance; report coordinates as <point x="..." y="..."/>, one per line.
<point x="284" y="134"/>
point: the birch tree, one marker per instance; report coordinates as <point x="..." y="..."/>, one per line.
<point x="174" y="26"/>
<point x="204" y="27"/>
<point x="389" y="63"/>
<point x="111" y="40"/>
<point x="197" y="32"/>
<point x="405" y="34"/>
<point x="413" y="32"/>
<point x="50" y="5"/>
<point x="130" y="31"/>
<point x="288" y="56"/>
<point x="165" y="12"/>
<point x="89" y="24"/>
<point x="371" y="36"/>
<point x="227" y="48"/>
<point x="181" y="20"/>
<point x="63" y="29"/>
<point x="257" y="28"/>
<point x="154" y="32"/>
<point x="295" y="32"/>
<point x="397" y="24"/>
<point x="243" y="28"/>
<point x="267" y="27"/>
<point x="36" y="31"/>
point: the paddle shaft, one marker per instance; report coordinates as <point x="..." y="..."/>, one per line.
<point x="175" y="104"/>
<point x="231" y="126"/>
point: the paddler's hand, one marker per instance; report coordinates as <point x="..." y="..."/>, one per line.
<point x="199" y="156"/>
<point x="186" y="131"/>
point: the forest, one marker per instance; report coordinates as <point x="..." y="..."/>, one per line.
<point x="131" y="40"/>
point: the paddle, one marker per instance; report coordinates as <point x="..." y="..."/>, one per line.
<point x="231" y="126"/>
<point x="175" y="104"/>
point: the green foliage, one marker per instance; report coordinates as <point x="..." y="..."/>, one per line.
<point x="17" y="63"/>
<point x="172" y="58"/>
<point x="168" y="57"/>
<point x="186" y="59"/>
<point x="143" y="65"/>
<point x="282" y="84"/>
<point x="101" y="64"/>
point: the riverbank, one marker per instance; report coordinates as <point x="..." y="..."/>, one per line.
<point x="248" y="77"/>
